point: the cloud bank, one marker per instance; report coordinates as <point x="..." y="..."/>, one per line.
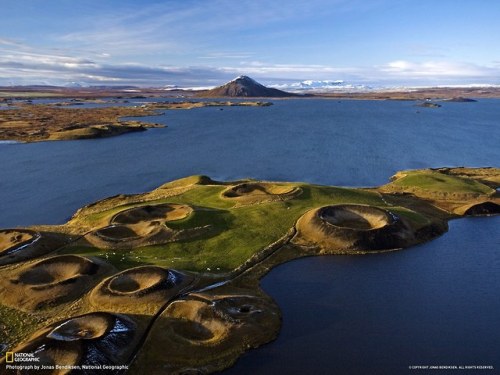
<point x="22" y="65"/>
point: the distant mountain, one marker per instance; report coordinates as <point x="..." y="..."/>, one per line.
<point x="31" y="87"/>
<point x="76" y="85"/>
<point x="310" y="84"/>
<point x="171" y="87"/>
<point x="244" y="86"/>
<point x="325" y="86"/>
<point x="109" y="87"/>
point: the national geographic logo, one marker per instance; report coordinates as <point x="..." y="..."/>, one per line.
<point x="12" y="357"/>
<point x="9" y="357"/>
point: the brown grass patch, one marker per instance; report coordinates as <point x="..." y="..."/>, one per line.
<point x="10" y="239"/>
<point x="22" y="244"/>
<point x="256" y="192"/>
<point x="355" y="217"/>
<point x="139" y="290"/>
<point x="164" y="212"/>
<point x="50" y="281"/>
<point x="144" y="226"/>
<point x="351" y="228"/>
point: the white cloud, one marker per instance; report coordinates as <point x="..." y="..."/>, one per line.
<point x="438" y="69"/>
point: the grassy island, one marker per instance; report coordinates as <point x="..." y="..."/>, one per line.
<point x="168" y="281"/>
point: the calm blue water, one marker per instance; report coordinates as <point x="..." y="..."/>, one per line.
<point x="434" y="304"/>
<point x="352" y="143"/>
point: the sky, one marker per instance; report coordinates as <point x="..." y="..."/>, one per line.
<point x="195" y="43"/>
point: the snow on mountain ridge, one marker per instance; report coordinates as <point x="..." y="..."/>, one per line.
<point x="320" y="86"/>
<point x="75" y="84"/>
<point x="326" y="83"/>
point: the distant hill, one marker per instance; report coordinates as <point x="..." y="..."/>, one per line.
<point x="244" y="86"/>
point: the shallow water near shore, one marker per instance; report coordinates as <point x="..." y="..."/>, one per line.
<point x="432" y="304"/>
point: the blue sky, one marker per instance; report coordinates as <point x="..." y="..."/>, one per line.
<point x="203" y="43"/>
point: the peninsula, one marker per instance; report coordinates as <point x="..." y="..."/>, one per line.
<point x="168" y="281"/>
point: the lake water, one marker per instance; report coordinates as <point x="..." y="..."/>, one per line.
<point x="350" y="313"/>
<point x="435" y="304"/>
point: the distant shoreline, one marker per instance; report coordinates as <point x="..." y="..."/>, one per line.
<point x="27" y="92"/>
